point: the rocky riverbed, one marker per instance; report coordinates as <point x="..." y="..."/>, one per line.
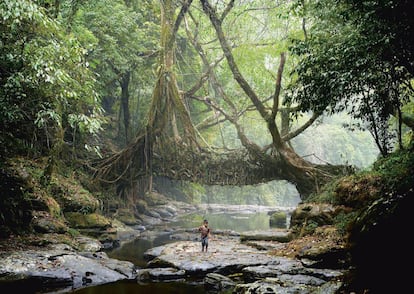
<point x="253" y="270"/>
<point x="248" y="262"/>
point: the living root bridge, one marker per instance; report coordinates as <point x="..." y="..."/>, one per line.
<point x="179" y="161"/>
<point x="234" y="168"/>
<point x="132" y="169"/>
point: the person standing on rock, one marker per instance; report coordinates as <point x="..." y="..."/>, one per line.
<point x="205" y="233"/>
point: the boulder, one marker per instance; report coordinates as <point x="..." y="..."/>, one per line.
<point x="43" y="222"/>
<point x="63" y="269"/>
<point x="72" y="198"/>
<point x="86" y="221"/>
<point x="218" y="283"/>
<point x="160" y="274"/>
<point x="308" y="216"/>
<point x="278" y="219"/>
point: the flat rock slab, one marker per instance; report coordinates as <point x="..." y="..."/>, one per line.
<point x="228" y="257"/>
<point x="65" y="269"/>
<point x="279" y="235"/>
<point x="224" y="256"/>
<point x="275" y="285"/>
<point x="265" y="245"/>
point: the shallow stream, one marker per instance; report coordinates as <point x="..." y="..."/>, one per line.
<point x="134" y="251"/>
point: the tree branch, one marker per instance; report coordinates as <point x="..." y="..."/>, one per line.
<point x="278" y="86"/>
<point x="229" y="7"/>
<point x="216" y="22"/>
<point x="180" y="16"/>
<point x="296" y="132"/>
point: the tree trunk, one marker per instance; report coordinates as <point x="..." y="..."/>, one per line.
<point x="168" y="107"/>
<point x="132" y="167"/>
<point x="124" y="83"/>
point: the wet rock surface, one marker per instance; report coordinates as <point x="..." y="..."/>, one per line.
<point x="63" y="268"/>
<point x="256" y="270"/>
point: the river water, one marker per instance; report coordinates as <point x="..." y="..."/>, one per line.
<point x="134" y="251"/>
<point x="239" y="222"/>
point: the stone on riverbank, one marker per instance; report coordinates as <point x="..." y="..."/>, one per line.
<point x="279" y="235"/>
<point x="224" y="257"/>
<point x="63" y="268"/>
<point x="160" y="274"/>
<point x="216" y="283"/>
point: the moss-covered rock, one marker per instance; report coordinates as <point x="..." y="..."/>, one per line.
<point x="94" y="225"/>
<point x="17" y="198"/>
<point x="53" y="206"/>
<point x="278" y="219"/>
<point x="72" y="197"/>
<point x="358" y="191"/>
<point x="141" y="206"/>
<point x="309" y="216"/>
<point x="84" y="221"/>
<point x="154" y="198"/>
<point x="43" y="222"/>
<point x="126" y="216"/>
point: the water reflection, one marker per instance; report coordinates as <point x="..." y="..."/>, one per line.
<point x="134" y="251"/>
<point x="239" y="222"/>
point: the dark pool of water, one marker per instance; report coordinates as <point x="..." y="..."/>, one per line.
<point x="131" y="287"/>
<point x="134" y="251"/>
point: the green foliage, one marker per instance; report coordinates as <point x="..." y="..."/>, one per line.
<point x="326" y="195"/>
<point x="86" y="210"/>
<point x="396" y="171"/>
<point x="343" y="220"/>
<point x="121" y="38"/>
<point x="73" y="232"/>
<point x="333" y="143"/>
<point x="45" y="77"/>
<point x="116" y="28"/>
<point x="343" y="67"/>
<point x="309" y="227"/>
<point x="393" y="26"/>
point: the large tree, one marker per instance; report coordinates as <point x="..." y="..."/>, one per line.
<point x="170" y="122"/>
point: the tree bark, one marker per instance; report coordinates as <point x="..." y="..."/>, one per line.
<point x="124" y="83"/>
